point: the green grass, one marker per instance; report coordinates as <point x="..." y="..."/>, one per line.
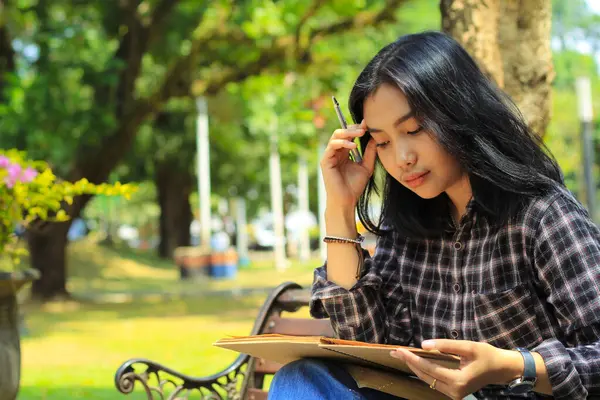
<point x="73" y="348"/>
<point x="98" y="270"/>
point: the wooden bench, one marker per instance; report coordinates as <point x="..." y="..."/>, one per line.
<point x="245" y="377"/>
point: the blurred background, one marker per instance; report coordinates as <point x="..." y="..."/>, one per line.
<point x="217" y="112"/>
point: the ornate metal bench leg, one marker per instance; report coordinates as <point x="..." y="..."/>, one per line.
<point x="162" y="383"/>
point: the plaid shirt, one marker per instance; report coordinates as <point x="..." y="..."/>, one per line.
<point x="533" y="283"/>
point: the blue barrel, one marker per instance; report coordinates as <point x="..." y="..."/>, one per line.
<point x="223" y="264"/>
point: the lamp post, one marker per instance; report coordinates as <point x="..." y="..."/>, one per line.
<point x="241" y="234"/>
<point x="322" y="205"/>
<point x="303" y="201"/>
<point x="584" y="97"/>
<point x="203" y="172"/>
<point x="277" y="201"/>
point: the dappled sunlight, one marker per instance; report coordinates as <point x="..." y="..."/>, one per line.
<point x="60" y="307"/>
<point x="92" y="260"/>
<point x="122" y="275"/>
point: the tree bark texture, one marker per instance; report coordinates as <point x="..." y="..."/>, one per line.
<point x="524" y="37"/>
<point x="174" y="187"/>
<point x="474" y="24"/>
<point x="510" y="39"/>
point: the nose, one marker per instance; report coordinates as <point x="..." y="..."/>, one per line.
<point x="405" y="155"/>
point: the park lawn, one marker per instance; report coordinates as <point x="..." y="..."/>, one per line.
<point x="72" y="348"/>
<point x="99" y="270"/>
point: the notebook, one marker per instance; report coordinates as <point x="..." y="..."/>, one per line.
<point x="371" y="365"/>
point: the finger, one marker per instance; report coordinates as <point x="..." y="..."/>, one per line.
<point x="463" y="348"/>
<point x="363" y="124"/>
<point x="369" y="156"/>
<point x="353" y="126"/>
<point x="347" y="133"/>
<point x="430" y="368"/>
<point x="337" y="145"/>
<point x="440" y="385"/>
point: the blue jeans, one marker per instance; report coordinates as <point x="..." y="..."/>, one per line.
<point x="308" y="379"/>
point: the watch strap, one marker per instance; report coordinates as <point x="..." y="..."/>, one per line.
<point x="529" y="373"/>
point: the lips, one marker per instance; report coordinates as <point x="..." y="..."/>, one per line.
<point x="414" y="176"/>
<point x="415" y="179"/>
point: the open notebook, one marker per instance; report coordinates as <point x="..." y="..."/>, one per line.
<point x="370" y="364"/>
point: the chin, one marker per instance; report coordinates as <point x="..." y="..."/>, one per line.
<point x="425" y="192"/>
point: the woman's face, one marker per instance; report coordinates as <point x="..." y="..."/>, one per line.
<point x="409" y="153"/>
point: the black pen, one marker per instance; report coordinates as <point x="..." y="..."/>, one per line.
<point x="353" y="152"/>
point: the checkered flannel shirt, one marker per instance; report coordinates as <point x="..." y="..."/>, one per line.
<point x="533" y="283"/>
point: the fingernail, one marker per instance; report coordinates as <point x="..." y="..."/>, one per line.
<point x="397" y="354"/>
<point x="429" y="342"/>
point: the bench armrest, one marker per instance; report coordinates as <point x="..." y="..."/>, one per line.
<point x="160" y="382"/>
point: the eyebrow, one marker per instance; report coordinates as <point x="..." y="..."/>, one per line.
<point x="398" y="122"/>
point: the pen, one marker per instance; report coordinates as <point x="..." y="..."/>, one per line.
<point x="353" y="152"/>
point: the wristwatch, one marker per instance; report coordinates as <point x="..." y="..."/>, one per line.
<point x="525" y="383"/>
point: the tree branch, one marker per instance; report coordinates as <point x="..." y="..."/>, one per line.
<point x="160" y="13"/>
<point x="237" y="74"/>
<point x="312" y="10"/>
<point x="386" y="14"/>
<point x="114" y="146"/>
<point x="7" y="53"/>
<point x="132" y="47"/>
<point x="178" y="78"/>
<point x="274" y="56"/>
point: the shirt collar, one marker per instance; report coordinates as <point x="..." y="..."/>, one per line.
<point x="470" y="215"/>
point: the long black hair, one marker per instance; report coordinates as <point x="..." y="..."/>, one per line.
<point x="475" y="121"/>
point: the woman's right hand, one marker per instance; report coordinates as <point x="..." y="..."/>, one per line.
<point x="345" y="180"/>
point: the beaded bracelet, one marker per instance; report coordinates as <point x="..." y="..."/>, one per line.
<point x="337" y="239"/>
<point x="357" y="244"/>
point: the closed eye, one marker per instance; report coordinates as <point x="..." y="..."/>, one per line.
<point x="381" y="144"/>
<point x="419" y="129"/>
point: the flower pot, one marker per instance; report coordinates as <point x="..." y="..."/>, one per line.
<point x="10" y="347"/>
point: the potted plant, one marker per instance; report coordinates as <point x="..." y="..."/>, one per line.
<point x="29" y="191"/>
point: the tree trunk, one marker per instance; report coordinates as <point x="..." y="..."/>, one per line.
<point x="474" y="24"/>
<point x="510" y="39"/>
<point x="47" y="248"/>
<point x="47" y="244"/>
<point x="7" y="55"/>
<point x="524" y="38"/>
<point x="174" y="187"/>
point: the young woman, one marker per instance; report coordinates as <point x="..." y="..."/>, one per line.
<point x="481" y="250"/>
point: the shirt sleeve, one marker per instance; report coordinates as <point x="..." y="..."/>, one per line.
<point x="567" y="261"/>
<point x="360" y="312"/>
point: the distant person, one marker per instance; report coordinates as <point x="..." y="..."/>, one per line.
<point x="77" y="230"/>
<point x="482" y="252"/>
<point x="220" y="241"/>
<point x="20" y="230"/>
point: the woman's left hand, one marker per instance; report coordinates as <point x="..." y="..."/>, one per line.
<point x="481" y="364"/>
